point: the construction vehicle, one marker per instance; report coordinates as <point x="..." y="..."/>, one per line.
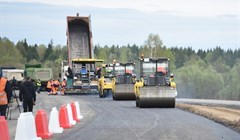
<point x="64" y="70"/>
<point x="80" y="56"/>
<point x="155" y="88"/>
<point x="125" y="79"/>
<point x="36" y="71"/>
<point x="79" y="38"/>
<point x="84" y="79"/>
<point x="106" y="81"/>
<point x="10" y="72"/>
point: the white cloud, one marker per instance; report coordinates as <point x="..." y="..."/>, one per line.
<point x="205" y="8"/>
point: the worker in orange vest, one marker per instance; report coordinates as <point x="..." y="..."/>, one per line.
<point x="64" y="84"/>
<point x="49" y="86"/>
<point x="5" y="94"/>
<point x="55" y="87"/>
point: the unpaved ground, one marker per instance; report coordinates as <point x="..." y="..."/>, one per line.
<point x="226" y="116"/>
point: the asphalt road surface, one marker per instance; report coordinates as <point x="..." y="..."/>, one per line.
<point x="105" y="119"/>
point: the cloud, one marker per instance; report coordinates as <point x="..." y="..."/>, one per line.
<point x="202" y="24"/>
<point x="204" y="8"/>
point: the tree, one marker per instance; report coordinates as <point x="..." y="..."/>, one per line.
<point x="198" y="80"/>
<point x="152" y="46"/>
<point x="41" y="51"/>
<point x="231" y="88"/>
<point x="9" y="55"/>
<point x="48" y="53"/>
<point x="22" y="46"/>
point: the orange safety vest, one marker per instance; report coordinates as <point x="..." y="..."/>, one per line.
<point x="56" y="83"/>
<point x="3" y="94"/>
<point x="49" y="84"/>
<point x="64" y="84"/>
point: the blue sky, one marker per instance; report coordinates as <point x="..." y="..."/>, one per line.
<point x="196" y="23"/>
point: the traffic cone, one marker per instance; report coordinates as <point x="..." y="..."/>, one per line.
<point x="42" y="125"/>
<point x="4" y="132"/>
<point x="78" y="110"/>
<point x="63" y="117"/>
<point x="54" y="125"/>
<point x="26" y="128"/>
<point x="70" y="115"/>
<point x="74" y="112"/>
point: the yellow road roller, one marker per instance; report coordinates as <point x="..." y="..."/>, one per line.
<point x="125" y="79"/>
<point x="106" y="81"/>
<point x="156" y="87"/>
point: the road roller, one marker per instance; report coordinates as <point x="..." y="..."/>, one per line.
<point x="156" y="86"/>
<point x="125" y="79"/>
<point x="106" y="80"/>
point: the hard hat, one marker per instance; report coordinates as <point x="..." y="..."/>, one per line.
<point x="171" y="75"/>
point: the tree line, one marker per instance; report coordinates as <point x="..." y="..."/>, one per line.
<point x="206" y="74"/>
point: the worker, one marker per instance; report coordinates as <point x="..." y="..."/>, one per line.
<point x="63" y="85"/>
<point x="69" y="73"/>
<point x="49" y="86"/>
<point x="55" y="87"/>
<point x="172" y="82"/>
<point x="39" y="86"/>
<point x="171" y="76"/>
<point x="83" y="70"/>
<point x="99" y="72"/>
<point x="5" y="94"/>
<point x="27" y="95"/>
<point x="14" y="83"/>
<point x="134" y="78"/>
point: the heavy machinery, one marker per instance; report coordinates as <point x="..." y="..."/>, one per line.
<point x="79" y="38"/>
<point x="84" y="79"/>
<point x="80" y="56"/>
<point x="106" y="81"/>
<point x="125" y="79"/>
<point x="155" y="88"/>
<point x="36" y="71"/>
<point x="10" y="72"/>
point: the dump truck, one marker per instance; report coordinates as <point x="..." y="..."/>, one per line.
<point x="79" y="38"/>
<point x="36" y="71"/>
<point x="125" y="79"/>
<point x="106" y="81"/>
<point x="80" y="56"/>
<point x="10" y="72"/>
<point x="155" y="88"/>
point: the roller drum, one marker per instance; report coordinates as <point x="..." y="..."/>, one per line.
<point x="148" y="102"/>
<point x="124" y="92"/>
<point x="124" y="96"/>
<point x="156" y="96"/>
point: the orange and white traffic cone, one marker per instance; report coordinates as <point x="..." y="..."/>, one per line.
<point x="42" y="125"/>
<point x="74" y="112"/>
<point x="4" y="132"/>
<point x="63" y="117"/>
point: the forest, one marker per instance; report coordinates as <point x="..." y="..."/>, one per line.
<point x="202" y="74"/>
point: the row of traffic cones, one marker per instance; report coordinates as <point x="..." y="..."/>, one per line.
<point x="28" y="129"/>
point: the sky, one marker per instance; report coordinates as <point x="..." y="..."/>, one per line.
<point x="200" y="24"/>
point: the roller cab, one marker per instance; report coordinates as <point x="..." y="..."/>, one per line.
<point x="156" y="88"/>
<point x="125" y="80"/>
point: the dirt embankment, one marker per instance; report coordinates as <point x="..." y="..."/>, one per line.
<point x="226" y="116"/>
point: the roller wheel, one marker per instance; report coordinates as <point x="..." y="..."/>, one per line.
<point x="101" y="94"/>
<point x="114" y="96"/>
<point x="137" y="105"/>
<point x="105" y="92"/>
